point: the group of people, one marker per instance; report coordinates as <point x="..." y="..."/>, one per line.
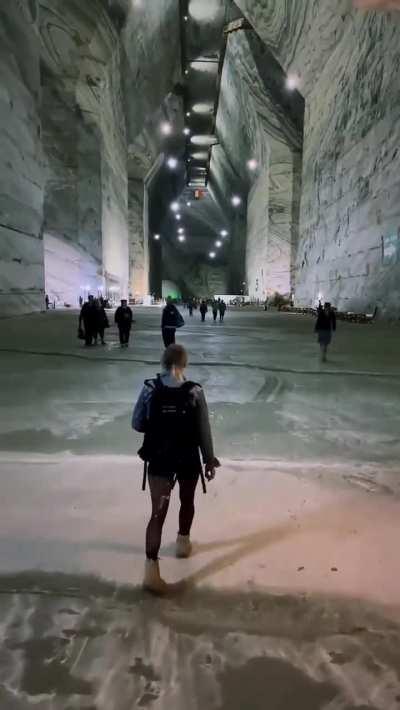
<point x="217" y="307"/>
<point x="93" y="322"/>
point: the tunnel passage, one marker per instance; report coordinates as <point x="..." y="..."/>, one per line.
<point x="282" y="140"/>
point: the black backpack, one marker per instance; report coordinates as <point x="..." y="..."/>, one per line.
<point x="171" y="438"/>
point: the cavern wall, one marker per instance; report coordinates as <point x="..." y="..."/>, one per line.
<point x="21" y="178"/>
<point x="73" y="197"/>
<point x="347" y="63"/>
<point x="191" y="274"/>
<point x="253" y="125"/>
<point x="85" y="142"/>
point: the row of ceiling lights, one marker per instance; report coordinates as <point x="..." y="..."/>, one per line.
<point x="172" y="162"/>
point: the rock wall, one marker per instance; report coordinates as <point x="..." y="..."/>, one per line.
<point x="253" y="124"/>
<point x="137" y="257"/>
<point x="347" y="63"/>
<point x="86" y="201"/>
<point x="193" y="277"/>
<point x="21" y="176"/>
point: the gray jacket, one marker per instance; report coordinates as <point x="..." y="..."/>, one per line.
<point x="141" y="414"/>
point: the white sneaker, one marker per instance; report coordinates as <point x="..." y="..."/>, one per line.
<point x="183" y="546"/>
<point x="152" y="580"/>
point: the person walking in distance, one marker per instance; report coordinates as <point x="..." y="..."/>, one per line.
<point x="172" y="413"/>
<point x="190" y="307"/>
<point x="222" y="310"/>
<point x="102" y="320"/>
<point x="203" y="310"/>
<point x="88" y="316"/>
<point x="324" y="327"/>
<point x="215" y="308"/>
<point x="170" y="321"/>
<point x="124" y="319"/>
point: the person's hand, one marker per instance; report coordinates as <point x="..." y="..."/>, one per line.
<point x="209" y="471"/>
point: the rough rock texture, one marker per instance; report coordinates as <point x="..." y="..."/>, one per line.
<point x="137" y="276"/>
<point x="21" y="177"/>
<point x="86" y="200"/>
<point x="151" y="96"/>
<point x="348" y="68"/>
<point x="192" y="275"/>
<point x="271" y="136"/>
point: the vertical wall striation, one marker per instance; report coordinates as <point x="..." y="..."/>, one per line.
<point x="21" y="173"/>
<point x="86" y="197"/>
<point x="254" y="125"/>
<point x="348" y="64"/>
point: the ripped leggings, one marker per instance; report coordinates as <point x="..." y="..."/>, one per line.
<point x="161" y="489"/>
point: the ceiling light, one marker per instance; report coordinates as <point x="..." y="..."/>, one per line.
<point x="181" y="238"/>
<point x="186" y="72"/>
<point x="252" y="164"/>
<point x="203" y="107"/>
<point x="204" y="140"/>
<point x="218" y="244"/>
<point x="166" y="128"/>
<point x="156" y="237"/>
<point x="186" y="18"/>
<point x="212" y="255"/>
<point x="292" y="82"/>
<point x="188" y="113"/>
<point x="186" y="131"/>
<point x="223" y="233"/>
<point x="172" y="163"/>
<point x="180" y="230"/>
<point x="236" y="200"/>
<point x="188" y="204"/>
<point x="175" y="206"/>
<point x="178" y="217"/>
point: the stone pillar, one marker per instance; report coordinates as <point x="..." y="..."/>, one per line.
<point x="21" y="180"/>
<point x="137" y="268"/>
<point x="72" y="199"/>
<point x="278" y="266"/>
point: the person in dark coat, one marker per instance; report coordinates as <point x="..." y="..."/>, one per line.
<point x="203" y="310"/>
<point x="124" y="319"/>
<point x="324" y="327"/>
<point x="222" y="310"/>
<point x="102" y="320"/>
<point x="215" y="309"/>
<point x="173" y="415"/>
<point x="190" y="307"/>
<point x="88" y="316"/>
<point x="170" y="321"/>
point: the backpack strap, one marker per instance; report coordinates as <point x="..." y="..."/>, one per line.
<point x="189" y="385"/>
<point x="154" y="383"/>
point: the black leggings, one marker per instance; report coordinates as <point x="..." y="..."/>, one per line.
<point x="160" y="490"/>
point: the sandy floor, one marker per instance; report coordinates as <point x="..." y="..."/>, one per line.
<point x="291" y="599"/>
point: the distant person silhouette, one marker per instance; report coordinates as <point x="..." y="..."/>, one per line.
<point x="203" y="310"/>
<point x="88" y="316"/>
<point x="124" y="319"/>
<point x="324" y="327"/>
<point x="215" y="309"/>
<point x="171" y="320"/>
<point x="102" y="320"/>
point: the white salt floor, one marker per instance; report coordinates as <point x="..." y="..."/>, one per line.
<point x="295" y="574"/>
